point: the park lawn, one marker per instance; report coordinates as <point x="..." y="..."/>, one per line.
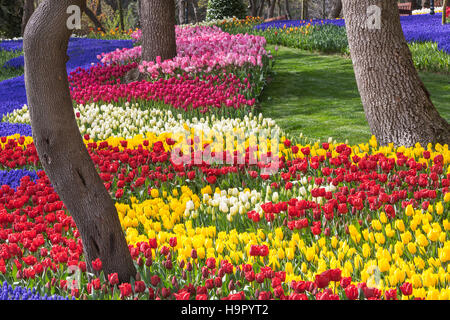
<point x="317" y="95"/>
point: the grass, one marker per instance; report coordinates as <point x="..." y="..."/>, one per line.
<point x="427" y="57"/>
<point x="7" y="73"/>
<point x="331" y="39"/>
<point x="317" y="95"/>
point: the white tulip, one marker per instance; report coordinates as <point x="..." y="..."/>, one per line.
<point x="275" y="197"/>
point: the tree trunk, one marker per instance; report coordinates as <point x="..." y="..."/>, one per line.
<point x="444" y="10"/>
<point x="324" y="9"/>
<point x="98" y="9"/>
<point x="280" y="10"/>
<point x="112" y="4"/>
<point x="271" y="8"/>
<point x="261" y="9"/>
<point x="60" y="147"/>
<point x="304" y="9"/>
<point x="425" y="3"/>
<point x="181" y="11"/>
<point x="253" y="8"/>
<point x="288" y="9"/>
<point x="396" y="103"/>
<point x="158" y="29"/>
<point x="336" y="9"/>
<point x="195" y="10"/>
<point x="28" y="9"/>
<point x="119" y="7"/>
<point x="93" y="18"/>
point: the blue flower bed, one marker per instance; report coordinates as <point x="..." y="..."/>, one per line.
<point x="15" y="63"/>
<point x="423" y="27"/>
<point x="7" y="292"/>
<point x="11" y="45"/>
<point x="82" y="53"/>
<point x="12" y="178"/>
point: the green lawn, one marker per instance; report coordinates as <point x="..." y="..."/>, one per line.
<point x="317" y="95"/>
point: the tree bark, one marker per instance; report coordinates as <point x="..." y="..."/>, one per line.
<point x="180" y="11"/>
<point x="93" y="18"/>
<point x="324" y="9"/>
<point x="98" y="9"/>
<point x="158" y="29"/>
<point x="304" y="9"/>
<point x="195" y="10"/>
<point x="444" y="10"/>
<point x="261" y="9"/>
<point x="271" y="8"/>
<point x="288" y="9"/>
<point x="28" y="9"/>
<point x="336" y="9"/>
<point x="119" y="7"/>
<point x="253" y="8"/>
<point x="60" y="147"/>
<point x="396" y="103"/>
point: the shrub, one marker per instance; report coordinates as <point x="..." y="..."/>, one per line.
<point x="219" y="9"/>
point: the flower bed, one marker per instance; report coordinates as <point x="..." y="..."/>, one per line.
<point x="415" y="27"/>
<point x="374" y="216"/>
<point x="214" y="209"/>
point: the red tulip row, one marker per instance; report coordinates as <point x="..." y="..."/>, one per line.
<point x="186" y="92"/>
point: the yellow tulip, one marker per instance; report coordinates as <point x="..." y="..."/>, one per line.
<point x="439" y="208"/>
<point x="400" y="225"/>
<point x="409" y="210"/>
<point x="411" y="248"/>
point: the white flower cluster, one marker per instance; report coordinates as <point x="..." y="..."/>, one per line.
<point x="210" y="23"/>
<point x="427" y="10"/>
<point x="104" y="121"/>
<point x="230" y="202"/>
<point x="11" y="39"/>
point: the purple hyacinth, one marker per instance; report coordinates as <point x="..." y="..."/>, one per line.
<point x="7" y="292"/>
<point x="82" y="53"/>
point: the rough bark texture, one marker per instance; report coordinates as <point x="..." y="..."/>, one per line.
<point x="288" y="9"/>
<point x="119" y="7"/>
<point x="28" y="9"/>
<point x="59" y="144"/>
<point x="261" y="8"/>
<point x="396" y="103"/>
<point x="253" y="8"/>
<point x="98" y="9"/>
<point x="336" y="9"/>
<point x="324" y="9"/>
<point x="444" y="10"/>
<point x="271" y="8"/>
<point x="195" y="10"/>
<point x="181" y="11"/>
<point x="304" y="9"/>
<point x="158" y="29"/>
